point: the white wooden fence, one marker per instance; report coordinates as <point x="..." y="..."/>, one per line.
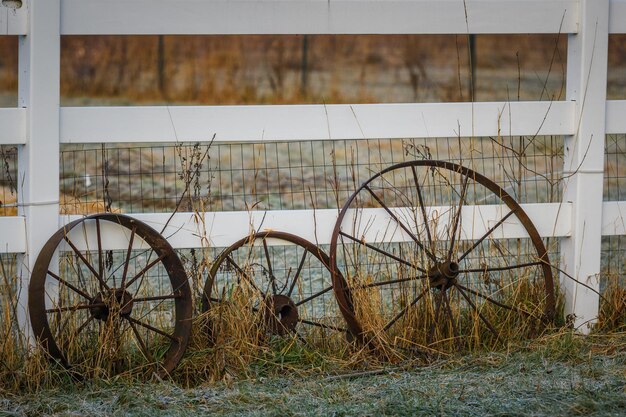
<point x="38" y="125"/>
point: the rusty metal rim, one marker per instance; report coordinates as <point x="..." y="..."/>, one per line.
<point x="309" y="247"/>
<point x="342" y="291"/>
<point x="170" y="260"/>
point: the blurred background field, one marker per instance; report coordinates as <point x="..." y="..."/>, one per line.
<point x="253" y="69"/>
<point x="248" y="69"/>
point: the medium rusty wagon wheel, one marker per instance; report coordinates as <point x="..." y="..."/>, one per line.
<point x="110" y="311"/>
<point x="421" y="264"/>
<point x="279" y="282"/>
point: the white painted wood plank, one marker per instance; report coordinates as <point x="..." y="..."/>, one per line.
<point x="38" y="161"/>
<point x="614" y="218"/>
<point x="221" y="229"/>
<point x="140" y="17"/>
<point x="12" y="234"/>
<point x="615" y="116"/>
<point x="14" y="21"/>
<point x="617" y="16"/>
<point x="13" y="126"/>
<point x="313" y="122"/>
<point x="587" y="57"/>
<point x="4" y="16"/>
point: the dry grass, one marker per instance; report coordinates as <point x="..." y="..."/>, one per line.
<point x="612" y="315"/>
<point x="421" y="331"/>
<point x="69" y="204"/>
<point x="558" y="374"/>
<point x="238" y="347"/>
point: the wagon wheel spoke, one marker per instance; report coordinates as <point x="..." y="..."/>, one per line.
<point x="83" y="326"/>
<point x="161" y="299"/>
<point x="74" y="308"/>
<point x="322" y="325"/>
<point x="405" y="310"/>
<point x="317" y="294"/>
<point x="128" y="253"/>
<point x="423" y="208"/>
<point x="77" y="332"/>
<point x="100" y="255"/>
<point x="142" y="343"/>
<point x="491" y="300"/>
<point x="298" y="272"/>
<point x="145" y="269"/>
<point x="382" y="252"/>
<point x="499" y="268"/>
<point x="400" y="223"/>
<point x="249" y="279"/>
<point x="457" y="217"/>
<point x="70" y="286"/>
<point x="487" y="234"/>
<point x="392" y="281"/>
<point x="480" y="315"/>
<point x="269" y="267"/>
<point x="152" y="328"/>
<point x="216" y="300"/>
<point x="455" y="330"/>
<point x="86" y="262"/>
<point x="156" y="298"/>
<point x="132" y="258"/>
<point x="433" y="326"/>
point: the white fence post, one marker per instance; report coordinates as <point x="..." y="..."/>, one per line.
<point x="587" y="56"/>
<point x="38" y="160"/>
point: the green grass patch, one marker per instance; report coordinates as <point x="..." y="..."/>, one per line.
<point x="560" y="374"/>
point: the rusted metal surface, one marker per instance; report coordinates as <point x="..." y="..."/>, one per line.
<point x="280" y="302"/>
<point x="442" y="263"/>
<point x="110" y="302"/>
<point x="281" y="314"/>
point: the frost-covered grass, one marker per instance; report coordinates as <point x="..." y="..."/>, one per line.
<point x="561" y="374"/>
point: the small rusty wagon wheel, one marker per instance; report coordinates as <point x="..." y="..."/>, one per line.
<point x="277" y="282"/>
<point x="96" y="309"/>
<point x="420" y="262"/>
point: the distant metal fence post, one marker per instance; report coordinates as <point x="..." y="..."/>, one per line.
<point x="38" y="160"/>
<point x="584" y="162"/>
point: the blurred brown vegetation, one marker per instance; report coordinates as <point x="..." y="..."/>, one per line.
<point x="284" y="69"/>
<point x="264" y="69"/>
<point x="255" y="69"/>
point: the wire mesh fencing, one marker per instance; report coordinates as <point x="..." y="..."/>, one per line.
<point x="285" y="175"/>
<point x="613" y="272"/>
<point x="8" y="180"/>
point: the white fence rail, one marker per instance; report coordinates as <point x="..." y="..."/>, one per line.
<point x="39" y="125"/>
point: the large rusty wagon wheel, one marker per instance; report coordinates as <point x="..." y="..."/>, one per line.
<point x="278" y="283"/>
<point x="420" y="262"/>
<point x="98" y="310"/>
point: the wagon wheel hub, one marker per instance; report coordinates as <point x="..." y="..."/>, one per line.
<point x="115" y="301"/>
<point x="443" y="275"/>
<point x="281" y="314"/>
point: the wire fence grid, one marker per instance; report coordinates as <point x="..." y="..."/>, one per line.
<point x="285" y="175"/>
<point x="298" y="175"/>
<point x="8" y="180"/>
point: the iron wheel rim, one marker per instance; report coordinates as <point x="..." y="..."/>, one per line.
<point x="287" y="287"/>
<point x="345" y="292"/>
<point x="178" y="297"/>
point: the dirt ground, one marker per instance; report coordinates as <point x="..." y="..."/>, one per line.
<point x="557" y="376"/>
